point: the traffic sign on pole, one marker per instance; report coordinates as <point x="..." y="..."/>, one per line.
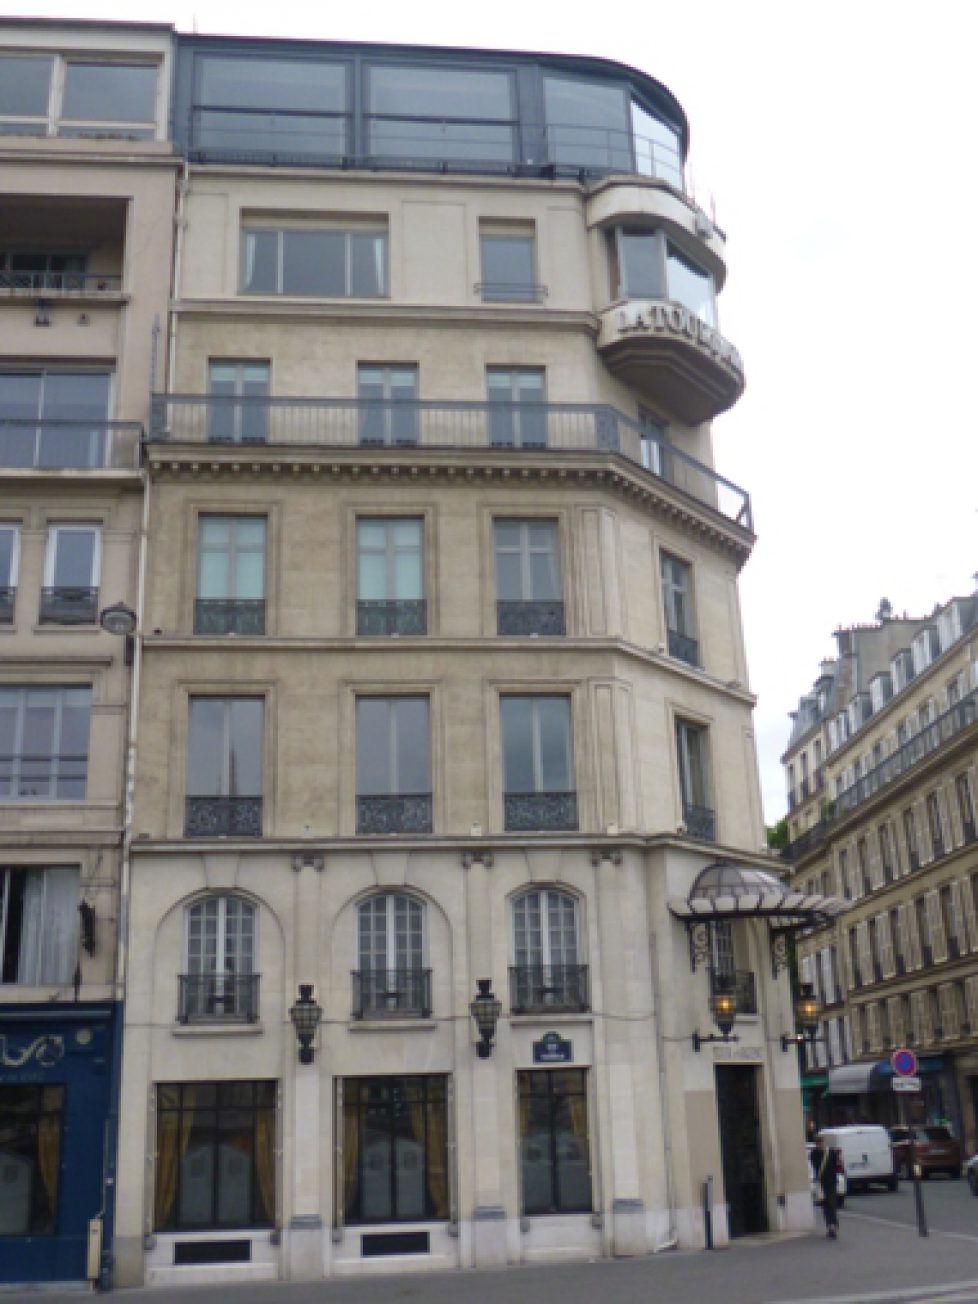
<point x="903" y="1062"/>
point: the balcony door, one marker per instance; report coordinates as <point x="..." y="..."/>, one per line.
<point x="54" y="419"/>
<point x="220" y="958"/>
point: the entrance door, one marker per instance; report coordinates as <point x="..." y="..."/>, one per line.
<point x="740" y="1148"/>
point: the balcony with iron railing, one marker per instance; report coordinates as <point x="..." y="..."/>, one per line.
<point x="381" y="814"/>
<point x="388" y="616"/>
<point x="43" y="444"/>
<point x="57" y="284"/>
<point x="8" y="596"/>
<point x="516" y="431"/>
<point x="700" y="821"/>
<point x="223" y="817"/>
<point x="549" y="988"/>
<point x="683" y="647"/>
<point x="519" y="618"/>
<point x="245" y="616"/>
<point x="68" y="605"/>
<point x="391" y="993"/>
<point x="540" y="812"/>
<point x="217" y="998"/>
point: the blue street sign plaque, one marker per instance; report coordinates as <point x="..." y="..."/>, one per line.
<point x="552" y="1048"/>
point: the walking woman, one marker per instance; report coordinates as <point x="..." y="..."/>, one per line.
<point x="825" y="1168"/>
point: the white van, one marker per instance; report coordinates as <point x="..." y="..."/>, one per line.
<point x="866" y="1154"/>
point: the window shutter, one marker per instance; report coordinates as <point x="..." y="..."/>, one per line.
<point x="971" y="996"/>
<point x="957" y="916"/>
<point x="966" y="895"/>
<point x="949" y="1011"/>
<point x="895" y="1007"/>
<point x="873" y="1026"/>
<point x="885" y="942"/>
<point x="828" y="983"/>
<point x="935" y="926"/>
<point x="855" y="1029"/>
<point x="908" y="926"/>
<point x="918" y="1014"/>
<point x="863" y="951"/>
<point x="835" y="1048"/>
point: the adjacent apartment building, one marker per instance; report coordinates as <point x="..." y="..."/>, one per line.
<point x="441" y="864"/>
<point x="881" y="773"/>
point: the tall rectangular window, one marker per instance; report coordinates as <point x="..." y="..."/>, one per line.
<point x="71" y="575"/>
<point x="395" y="1149"/>
<point x="31" y="1125"/>
<point x="230" y="575"/>
<point x="508" y="257"/>
<point x="224" y="767"/>
<point x="388" y="403"/>
<point x="698" y="814"/>
<point x="677" y="597"/>
<point x="440" y="113"/>
<point x="555" y="1162"/>
<point x="910" y="833"/>
<point x="38" y="925"/>
<point x="44" y="743"/>
<point x="966" y="808"/>
<point x="654" y="445"/>
<point x="528" y="588"/>
<point x="393" y="765"/>
<point x="935" y="824"/>
<point x="54" y="419"/>
<point x="215" y="1146"/>
<point x="390" y="576"/>
<point x="517" y="411"/>
<point x="236" y="413"/>
<point x="325" y="262"/>
<point x="9" y="559"/>
<point x="538" y="764"/>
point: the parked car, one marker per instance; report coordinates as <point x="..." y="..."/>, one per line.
<point x="841" y="1181"/>
<point x="867" y="1154"/>
<point x="971" y="1170"/>
<point x="929" y="1145"/>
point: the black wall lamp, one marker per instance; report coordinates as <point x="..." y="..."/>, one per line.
<point x="724" y="1008"/>
<point x="806" y="1016"/>
<point x="121" y="621"/>
<point x="485" y="1009"/>
<point x="306" y="1015"/>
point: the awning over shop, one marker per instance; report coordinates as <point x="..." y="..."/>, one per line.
<point x="858" y="1079"/>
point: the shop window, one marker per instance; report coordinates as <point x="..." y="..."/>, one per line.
<point x="554" y="1147"/>
<point x="31" y="1122"/>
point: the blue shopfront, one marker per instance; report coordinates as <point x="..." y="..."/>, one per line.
<point x="57" y="1140"/>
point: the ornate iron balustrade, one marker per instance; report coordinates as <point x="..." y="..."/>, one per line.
<point x="217" y="997"/>
<point x="521" y="428"/>
<point x="540" y="812"/>
<point x="401" y="813"/>
<point x="548" y="989"/>
<point x="380" y="616"/>
<point x="741" y="982"/>
<point x="49" y="445"/>
<point x="808" y="841"/>
<point x="223" y="817"/>
<point x="8" y="595"/>
<point x="80" y="283"/>
<point x="968" y="830"/>
<point x="519" y="617"/>
<point x="229" y="616"/>
<point x="391" y="993"/>
<point x="68" y="606"/>
<point x="701" y="822"/>
<point x="683" y="648"/>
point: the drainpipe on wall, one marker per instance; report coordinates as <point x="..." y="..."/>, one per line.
<point x="672" y="1239"/>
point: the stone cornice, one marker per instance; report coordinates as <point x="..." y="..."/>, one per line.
<point x="384" y="312"/>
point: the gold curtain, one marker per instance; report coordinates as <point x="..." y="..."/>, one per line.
<point x="577" y="1115"/>
<point x="351" y="1152"/>
<point x="265" y="1161"/>
<point x="49" y="1152"/>
<point x="173" y="1137"/>
<point x="434" y="1150"/>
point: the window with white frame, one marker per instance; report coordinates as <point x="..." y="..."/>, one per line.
<point x="517" y="407"/>
<point x="390" y="977"/>
<point x="528" y="586"/>
<point x="538" y="763"/>
<point x="345" y="260"/>
<point x="230" y="575"/>
<point x="44" y="742"/>
<point x="54" y="418"/>
<point x="547" y="973"/>
<point x="9" y="559"/>
<point x="236" y="413"/>
<point x="221" y="978"/>
<point x="38" y="924"/>
<point x="388" y="395"/>
<point x="48" y="94"/>
<point x="677" y="597"/>
<point x="390" y="575"/>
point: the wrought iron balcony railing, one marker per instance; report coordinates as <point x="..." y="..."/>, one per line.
<point x="217" y="997"/>
<point x="968" y="830"/>
<point x="391" y="993"/>
<point x="229" y="616"/>
<point x="739" y="981"/>
<point x="540" y="812"/>
<point x="68" y="606"/>
<point x="50" y="445"/>
<point x="521" y="428"/>
<point x="223" y="817"/>
<point x="519" y="618"/>
<point x="548" y="988"/>
<point x="683" y="648"/>
<point x="80" y="283"/>
<point x="403" y="813"/>
<point x="700" y="821"/>
<point x="380" y="616"/>
<point x="8" y="595"/>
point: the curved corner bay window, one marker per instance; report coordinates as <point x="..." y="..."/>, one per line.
<point x="215" y="1163"/>
<point x="395" y="1149"/>
<point x="645" y="265"/>
<point x="315" y="261"/>
<point x="658" y="149"/>
<point x="587" y="123"/>
<point x="461" y="114"/>
<point x="270" y="108"/>
<point x="555" y="1162"/>
<point x="30" y="1158"/>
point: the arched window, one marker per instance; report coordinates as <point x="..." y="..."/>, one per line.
<point x="390" y="978"/>
<point x="220" y="981"/>
<point x="547" y="974"/>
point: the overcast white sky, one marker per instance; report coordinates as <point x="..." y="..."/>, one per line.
<point x="838" y="142"/>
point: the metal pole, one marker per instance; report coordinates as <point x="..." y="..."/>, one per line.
<point x="708" y="1211"/>
<point x="918" y="1194"/>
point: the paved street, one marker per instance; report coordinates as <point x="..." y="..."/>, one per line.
<point x="878" y="1258"/>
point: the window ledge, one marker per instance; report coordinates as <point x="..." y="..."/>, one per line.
<point x="392" y="1025"/>
<point x="564" y="1016"/>
<point x="69" y="627"/>
<point x="217" y="1029"/>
